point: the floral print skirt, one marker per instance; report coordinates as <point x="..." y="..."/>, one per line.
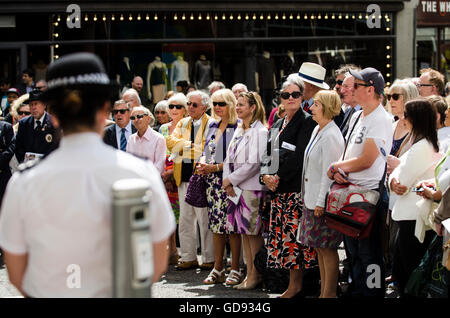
<point x="217" y="204"/>
<point x="314" y="232"/>
<point x="282" y="247"/>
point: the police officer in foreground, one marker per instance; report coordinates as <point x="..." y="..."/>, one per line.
<point x="64" y="225"/>
<point x="36" y="135"/>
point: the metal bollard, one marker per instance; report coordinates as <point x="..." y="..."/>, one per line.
<point x="132" y="253"/>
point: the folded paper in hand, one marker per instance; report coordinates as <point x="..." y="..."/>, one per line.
<point x="236" y="198"/>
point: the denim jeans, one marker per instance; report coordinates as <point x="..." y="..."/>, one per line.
<point x="367" y="279"/>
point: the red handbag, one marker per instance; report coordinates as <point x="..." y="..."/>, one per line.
<point x="350" y="209"/>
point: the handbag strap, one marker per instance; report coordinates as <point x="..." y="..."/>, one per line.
<point x="351" y="132"/>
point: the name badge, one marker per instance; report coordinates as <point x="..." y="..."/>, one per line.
<point x="288" y="146"/>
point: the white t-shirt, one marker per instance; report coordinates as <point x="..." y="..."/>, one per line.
<point x="377" y="126"/>
<point x="59" y="212"/>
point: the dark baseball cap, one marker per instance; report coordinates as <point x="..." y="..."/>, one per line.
<point x="35" y="94"/>
<point x="370" y="76"/>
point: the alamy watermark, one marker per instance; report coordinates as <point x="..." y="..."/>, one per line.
<point x="74" y="18"/>
<point x="74" y="278"/>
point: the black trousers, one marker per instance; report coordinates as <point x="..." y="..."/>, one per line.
<point x="408" y="252"/>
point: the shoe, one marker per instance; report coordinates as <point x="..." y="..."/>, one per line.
<point x="234" y="278"/>
<point x="173" y="259"/>
<point x="215" y="277"/>
<point x="186" y="265"/>
<point x="207" y="265"/>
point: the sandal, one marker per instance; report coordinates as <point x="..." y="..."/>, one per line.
<point x="233" y="278"/>
<point x="215" y="277"/>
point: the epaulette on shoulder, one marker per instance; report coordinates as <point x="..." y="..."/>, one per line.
<point x="27" y="165"/>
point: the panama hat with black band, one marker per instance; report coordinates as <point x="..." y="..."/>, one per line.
<point x="314" y="74"/>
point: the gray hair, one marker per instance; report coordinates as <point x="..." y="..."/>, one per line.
<point x="344" y="69"/>
<point x="133" y="92"/>
<point x="239" y="86"/>
<point x="162" y="105"/>
<point x="146" y="111"/>
<point x="407" y="88"/>
<point x="204" y="97"/>
<point x="120" y="102"/>
<point x="218" y="84"/>
<point x="293" y="79"/>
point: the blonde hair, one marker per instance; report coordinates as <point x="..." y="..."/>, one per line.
<point x="331" y="103"/>
<point x="228" y="97"/>
<point x="253" y="98"/>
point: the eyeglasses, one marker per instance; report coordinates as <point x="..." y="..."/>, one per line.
<point x="159" y="112"/>
<point x="422" y="85"/>
<point x="122" y="111"/>
<point x="394" y="96"/>
<point x="355" y="85"/>
<point x="193" y="104"/>
<point x="23" y="113"/>
<point x="286" y="95"/>
<point x="140" y="116"/>
<point x="339" y="82"/>
<point x="172" y="106"/>
<point x="221" y="104"/>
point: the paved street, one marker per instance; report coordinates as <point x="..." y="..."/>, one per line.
<point x="6" y="289"/>
<point x="180" y="284"/>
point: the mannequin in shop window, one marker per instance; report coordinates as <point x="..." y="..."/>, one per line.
<point x="126" y="74"/>
<point x="180" y="71"/>
<point x="157" y="80"/>
<point x="265" y="80"/>
<point x="203" y="73"/>
<point x="288" y="64"/>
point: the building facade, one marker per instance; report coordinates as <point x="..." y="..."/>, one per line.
<point x="227" y="41"/>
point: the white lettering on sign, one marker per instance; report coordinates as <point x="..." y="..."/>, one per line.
<point x="432" y="7"/>
<point x="444" y="7"/>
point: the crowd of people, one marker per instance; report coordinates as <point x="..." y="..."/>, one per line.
<point x="234" y="175"/>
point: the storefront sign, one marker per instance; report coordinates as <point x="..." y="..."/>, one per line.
<point x="433" y="13"/>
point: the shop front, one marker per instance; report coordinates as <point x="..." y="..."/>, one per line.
<point x="433" y="36"/>
<point x="200" y="42"/>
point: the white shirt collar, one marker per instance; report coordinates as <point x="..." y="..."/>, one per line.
<point x="40" y="119"/>
<point x="80" y="139"/>
<point x="127" y="128"/>
<point x="198" y="121"/>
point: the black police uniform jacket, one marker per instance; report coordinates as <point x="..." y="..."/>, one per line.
<point x="7" y="145"/>
<point x="42" y="141"/>
<point x="110" y="136"/>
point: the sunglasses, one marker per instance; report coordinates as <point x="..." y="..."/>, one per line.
<point x="394" y="96"/>
<point x="122" y="111"/>
<point x="221" y="104"/>
<point x="423" y="85"/>
<point x="140" y="116"/>
<point x="172" y="106"/>
<point x="159" y="112"/>
<point x="193" y="104"/>
<point x="355" y="85"/>
<point x="286" y="95"/>
<point x="23" y="113"/>
<point x="40" y="87"/>
<point x="339" y="82"/>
